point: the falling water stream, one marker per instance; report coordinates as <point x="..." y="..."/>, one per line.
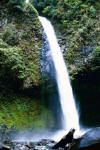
<point x="68" y="106"/>
<point x="27" y="1"/>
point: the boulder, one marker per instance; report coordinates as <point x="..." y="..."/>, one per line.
<point x="89" y="141"/>
<point x="67" y="139"/>
<point x="90" y="138"/>
<point x="4" y="147"/>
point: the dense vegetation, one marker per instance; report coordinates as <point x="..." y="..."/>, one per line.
<point x="77" y="25"/>
<point x="21" y="112"/>
<point x="20" y="39"/>
<point x="79" y="22"/>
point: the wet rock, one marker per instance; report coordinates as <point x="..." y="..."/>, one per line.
<point x="67" y="139"/>
<point x="91" y="139"/>
<point x="51" y="143"/>
<point x="74" y="145"/>
<point x="17" y="146"/>
<point x="40" y="148"/>
<point x="4" y="147"/>
<point x="92" y="147"/>
<point x="21" y="147"/>
<point x="46" y="142"/>
<point x="30" y="145"/>
<point x="7" y="141"/>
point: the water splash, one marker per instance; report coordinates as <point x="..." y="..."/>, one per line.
<point x="70" y="114"/>
<point x="27" y="1"/>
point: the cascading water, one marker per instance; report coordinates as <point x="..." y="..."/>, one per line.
<point x="27" y="1"/>
<point x="70" y="114"/>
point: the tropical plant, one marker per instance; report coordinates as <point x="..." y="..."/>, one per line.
<point x="16" y="4"/>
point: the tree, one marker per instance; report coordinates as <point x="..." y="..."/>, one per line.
<point x="44" y="7"/>
<point x="16" y="4"/>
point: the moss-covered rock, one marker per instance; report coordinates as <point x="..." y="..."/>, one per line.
<point x="21" y="112"/>
<point x="20" y="39"/>
<point x="21" y="105"/>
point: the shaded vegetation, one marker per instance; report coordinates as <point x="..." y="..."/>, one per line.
<point x="79" y="24"/>
<point x="22" y="112"/>
<point x="86" y="87"/>
<point x="20" y="39"/>
<point x="16" y="5"/>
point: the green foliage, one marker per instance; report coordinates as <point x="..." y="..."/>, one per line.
<point x="10" y="35"/>
<point x="76" y="19"/>
<point x="78" y="24"/>
<point x="23" y="112"/>
<point x="16" y="5"/>
<point x="31" y="10"/>
<point x="70" y="56"/>
<point x="92" y="11"/>
<point x="45" y="7"/>
<point x="20" y="39"/>
<point x="12" y="60"/>
<point x="96" y="59"/>
<point x="3" y="44"/>
<point x="47" y="10"/>
<point x="96" y="53"/>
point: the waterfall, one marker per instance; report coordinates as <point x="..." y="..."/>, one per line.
<point x="27" y="1"/>
<point x="70" y="114"/>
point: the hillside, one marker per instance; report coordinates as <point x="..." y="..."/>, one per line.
<point x="77" y="25"/>
<point x="20" y="39"/>
<point x="21" y="105"/>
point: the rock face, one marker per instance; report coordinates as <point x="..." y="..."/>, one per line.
<point x="67" y="139"/>
<point x="82" y="58"/>
<point x="91" y="139"/>
<point x="20" y="40"/>
<point x="92" y="147"/>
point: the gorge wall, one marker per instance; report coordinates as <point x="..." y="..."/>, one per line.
<point x="20" y="39"/>
<point x="77" y="26"/>
<point x="21" y="105"/>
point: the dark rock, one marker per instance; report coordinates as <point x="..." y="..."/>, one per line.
<point x="20" y="146"/>
<point x="46" y="142"/>
<point x="30" y="145"/>
<point x="74" y="145"/>
<point x="6" y="141"/>
<point x="40" y="148"/>
<point x="89" y="141"/>
<point x="51" y="143"/>
<point x="90" y="138"/>
<point x="67" y="139"/>
<point x="92" y="147"/>
<point x="4" y="147"/>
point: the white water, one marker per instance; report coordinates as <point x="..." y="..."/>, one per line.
<point x="27" y="1"/>
<point x="70" y="114"/>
